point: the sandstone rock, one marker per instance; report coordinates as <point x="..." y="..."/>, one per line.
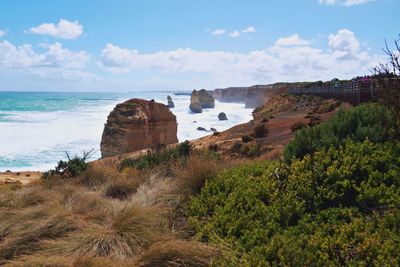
<point x="170" y="102"/>
<point x="222" y="116"/>
<point x="206" y="100"/>
<point x="137" y="124"/>
<point x="195" y="105"/>
<point x="201" y="99"/>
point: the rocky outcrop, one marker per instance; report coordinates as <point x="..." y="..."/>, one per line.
<point x="137" y="124"/>
<point x="222" y="116"/>
<point x="195" y="105"/>
<point x="206" y="99"/>
<point x="170" y="102"/>
<point x="201" y="99"/>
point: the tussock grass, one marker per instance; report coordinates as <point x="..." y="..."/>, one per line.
<point x="105" y="216"/>
<point x="131" y="230"/>
<point x="177" y="253"/>
<point x="25" y="238"/>
<point x="193" y="176"/>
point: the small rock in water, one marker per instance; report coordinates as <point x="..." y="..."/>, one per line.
<point x="222" y="116"/>
<point x="213" y="129"/>
<point x="201" y="129"/>
<point x="194" y="121"/>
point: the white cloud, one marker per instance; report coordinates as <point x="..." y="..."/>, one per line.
<point x="293" y="40"/>
<point x="56" y="61"/>
<point x="344" y="2"/>
<point x="64" y="29"/>
<point x="2" y="33"/>
<point x="218" y="32"/>
<point x="344" y="43"/>
<point x="249" y="29"/>
<point x="234" y="34"/>
<point x="276" y="63"/>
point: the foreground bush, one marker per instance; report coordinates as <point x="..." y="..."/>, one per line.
<point x="70" y="168"/>
<point x="337" y="207"/>
<point x="371" y="121"/>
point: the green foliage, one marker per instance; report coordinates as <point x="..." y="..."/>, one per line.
<point x="70" y="168"/>
<point x="159" y="156"/>
<point x="371" y="121"/>
<point x="335" y="207"/>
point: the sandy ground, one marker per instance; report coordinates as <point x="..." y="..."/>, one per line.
<point x="15" y="177"/>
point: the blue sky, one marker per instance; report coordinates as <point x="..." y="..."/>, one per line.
<point x="165" y="45"/>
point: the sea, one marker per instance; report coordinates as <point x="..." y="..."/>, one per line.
<point x="38" y="128"/>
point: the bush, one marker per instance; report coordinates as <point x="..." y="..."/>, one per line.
<point x="246" y="138"/>
<point x="159" y="156"/>
<point x="371" y="121"/>
<point x="260" y="131"/>
<point x="70" y="168"/>
<point x="336" y="207"/>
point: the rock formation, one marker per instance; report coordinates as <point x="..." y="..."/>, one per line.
<point x="137" y="124"/>
<point x="201" y="99"/>
<point x="206" y="100"/>
<point x="195" y="105"/>
<point x="170" y="102"/>
<point x="222" y="116"/>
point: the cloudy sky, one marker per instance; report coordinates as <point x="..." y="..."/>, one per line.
<point x="180" y="45"/>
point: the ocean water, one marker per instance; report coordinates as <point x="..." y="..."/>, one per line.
<point x="36" y="129"/>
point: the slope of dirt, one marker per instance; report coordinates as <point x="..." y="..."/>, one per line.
<point x="281" y="116"/>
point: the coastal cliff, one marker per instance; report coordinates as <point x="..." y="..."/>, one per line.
<point x="137" y="124"/>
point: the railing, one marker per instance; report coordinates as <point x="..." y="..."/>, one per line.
<point x="354" y="92"/>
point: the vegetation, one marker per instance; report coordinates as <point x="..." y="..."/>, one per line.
<point x="338" y="206"/>
<point x="72" y="167"/>
<point x="371" y="121"/>
<point x="159" y="156"/>
<point x="260" y="131"/>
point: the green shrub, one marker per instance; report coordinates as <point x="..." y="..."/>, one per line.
<point x="335" y="207"/>
<point x="371" y="121"/>
<point x="70" y="168"/>
<point x="159" y="156"/>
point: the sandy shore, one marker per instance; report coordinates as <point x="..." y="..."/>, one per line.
<point x="22" y="177"/>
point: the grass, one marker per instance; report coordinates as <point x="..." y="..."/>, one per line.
<point x="177" y="253"/>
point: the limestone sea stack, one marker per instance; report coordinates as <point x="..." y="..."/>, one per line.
<point x="137" y="124"/>
<point x="170" y="102"/>
<point x="201" y="99"/>
<point x="195" y="105"/>
<point x="206" y="100"/>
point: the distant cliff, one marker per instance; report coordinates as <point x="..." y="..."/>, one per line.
<point x="253" y="96"/>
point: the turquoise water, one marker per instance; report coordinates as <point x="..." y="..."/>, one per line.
<point x="36" y="129"/>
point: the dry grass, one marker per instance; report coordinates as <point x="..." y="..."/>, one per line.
<point x="177" y="253"/>
<point x="104" y="217"/>
<point x="130" y="231"/>
<point x="192" y="178"/>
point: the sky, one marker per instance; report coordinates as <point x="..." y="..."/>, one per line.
<point x="126" y="45"/>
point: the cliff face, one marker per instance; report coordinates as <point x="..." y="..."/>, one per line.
<point x="137" y="124"/>
<point x="253" y="96"/>
<point x="231" y="94"/>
